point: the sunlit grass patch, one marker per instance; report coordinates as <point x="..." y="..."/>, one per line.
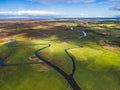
<point x="41" y="27"/>
<point x="100" y="60"/>
<point x="71" y="24"/>
<point x="95" y="27"/>
<point x="54" y="37"/>
<point x="110" y="25"/>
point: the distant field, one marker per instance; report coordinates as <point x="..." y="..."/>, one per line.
<point x="97" y="56"/>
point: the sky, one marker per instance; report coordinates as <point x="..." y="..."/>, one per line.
<point x="59" y="8"/>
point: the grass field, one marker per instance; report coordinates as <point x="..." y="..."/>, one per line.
<point x="97" y="63"/>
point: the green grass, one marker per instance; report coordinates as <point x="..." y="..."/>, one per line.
<point x="93" y="68"/>
<point x="27" y="77"/>
<point x="97" y="67"/>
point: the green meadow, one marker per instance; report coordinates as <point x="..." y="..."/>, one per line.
<point x="97" y="57"/>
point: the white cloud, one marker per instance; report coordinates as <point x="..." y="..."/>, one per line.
<point x="28" y="12"/>
<point x="72" y="1"/>
<point x="85" y="1"/>
<point x="114" y="0"/>
<point x="115" y="7"/>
